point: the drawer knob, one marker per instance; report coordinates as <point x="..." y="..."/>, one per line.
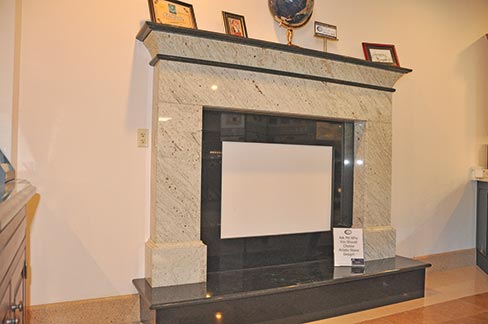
<point x="17" y="307"/>
<point x="12" y="321"/>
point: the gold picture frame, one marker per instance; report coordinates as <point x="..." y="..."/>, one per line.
<point x="172" y="12"/>
<point x="234" y="24"/>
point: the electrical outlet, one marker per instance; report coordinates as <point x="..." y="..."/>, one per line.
<point x="142" y="137"/>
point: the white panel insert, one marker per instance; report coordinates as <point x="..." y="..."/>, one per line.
<point x="275" y="189"/>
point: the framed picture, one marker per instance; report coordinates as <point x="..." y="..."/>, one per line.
<point x="381" y="53"/>
<point x="325" y="30"/>
<point x="172" y="12"/>
<point x="234" y="24"/>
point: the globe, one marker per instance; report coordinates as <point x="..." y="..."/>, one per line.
<point x="291" y="13"/>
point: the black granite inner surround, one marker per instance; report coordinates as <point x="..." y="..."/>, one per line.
<point x="252" y="252"/>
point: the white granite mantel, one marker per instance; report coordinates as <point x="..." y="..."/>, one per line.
<point x="255" y="76"/>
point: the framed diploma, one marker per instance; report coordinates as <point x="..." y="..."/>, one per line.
<point x="381" y="53"/>
<point x="172" y="12"/>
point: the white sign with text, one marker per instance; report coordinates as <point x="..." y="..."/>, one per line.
<point x="348" y="245"/>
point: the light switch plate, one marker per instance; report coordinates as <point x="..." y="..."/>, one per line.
<point x="142" y="137"/>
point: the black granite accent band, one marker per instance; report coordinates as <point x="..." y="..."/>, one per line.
<point x="267" y="71"/>
<point x="150" y="26"/>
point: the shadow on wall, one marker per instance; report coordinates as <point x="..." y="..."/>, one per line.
<point x="31" y="209"/>
<point x="472" y="66"/>
<point x="139" y="115"/>
<point x="140" y="88"/>
<point x="452" y="217"/>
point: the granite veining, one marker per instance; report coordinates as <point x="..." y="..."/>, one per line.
<point x="178" y="173"/>
<point x="263" y="92"/>
<point x="175" y="254"/>
<point x="377" y="165"/>
<point x="379" y="242"/>
<point x="359" y="174"/>
<point x="170" y="264"/>
<point x="220" y="51"/>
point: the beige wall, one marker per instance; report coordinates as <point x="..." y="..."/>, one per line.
<point x="86" y="88"/>
<point x="9" y="64"/>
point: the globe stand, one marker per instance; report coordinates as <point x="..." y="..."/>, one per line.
<point x="289" y="36"/>
<point x="325" y="45"/>
<point x="291" y="14"/>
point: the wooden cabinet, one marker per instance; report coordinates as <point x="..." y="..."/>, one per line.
<point x="13" y="273"/>
<point x="12" y="270"/>
<point x="482" y="226"/>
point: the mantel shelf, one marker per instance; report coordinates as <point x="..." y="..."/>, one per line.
<point x="148" y="27"/>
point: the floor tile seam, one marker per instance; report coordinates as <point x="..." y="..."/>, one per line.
<point x="409" y="312"/>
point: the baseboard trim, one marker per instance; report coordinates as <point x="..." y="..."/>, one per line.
<point x="450" y="260"/>
<point x="117" y="310"/>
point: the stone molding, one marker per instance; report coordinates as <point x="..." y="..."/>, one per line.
<point x="175" y="254"/>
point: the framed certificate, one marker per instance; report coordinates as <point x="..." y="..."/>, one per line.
<point x="172" y="12"/>
<point x="381" y="53"/>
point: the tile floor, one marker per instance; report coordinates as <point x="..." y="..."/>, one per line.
<point x="453" y="296"/>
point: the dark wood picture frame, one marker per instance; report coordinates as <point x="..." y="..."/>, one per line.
<point x="381" y="53"/>
<point x="189" y="22"/>
<point x="234" y="24"/>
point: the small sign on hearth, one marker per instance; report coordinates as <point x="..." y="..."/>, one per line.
<point x="348" y="246"/>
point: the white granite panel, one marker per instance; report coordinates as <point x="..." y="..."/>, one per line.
<point x="220" y="51"/>
<point x="191" y="84"/>
<point x="378" y="174"/>
<point x="178" y="173"/>
<point x="175" y="263"/>
<point x="360" y="187"/>
<point x="379" y="242"/>
<point x="175" y="254"/>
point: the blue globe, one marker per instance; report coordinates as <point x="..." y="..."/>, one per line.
<point x="291" y="13"/>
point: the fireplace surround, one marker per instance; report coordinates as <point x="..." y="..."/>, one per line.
<point x="274" y="279"/>
<point x="195" y="69"/>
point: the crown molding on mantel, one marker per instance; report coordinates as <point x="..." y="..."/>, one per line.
<point x="202" y="47"/>
<point x="148" y="27"/>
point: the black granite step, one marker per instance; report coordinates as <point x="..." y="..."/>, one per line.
<point x="295" y="293"/>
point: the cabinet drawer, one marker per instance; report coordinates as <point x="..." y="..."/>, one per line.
<point x="17" y="276"/>
<point x="15" y="246"/>
<point x="5" y="301"/>
<point x="10" y="229"/>
<point x="19" y="300"/>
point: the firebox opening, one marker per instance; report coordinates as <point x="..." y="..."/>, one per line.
<point x="229" y="245"/>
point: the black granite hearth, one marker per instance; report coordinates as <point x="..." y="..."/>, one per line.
<point x="295" y="293"/>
